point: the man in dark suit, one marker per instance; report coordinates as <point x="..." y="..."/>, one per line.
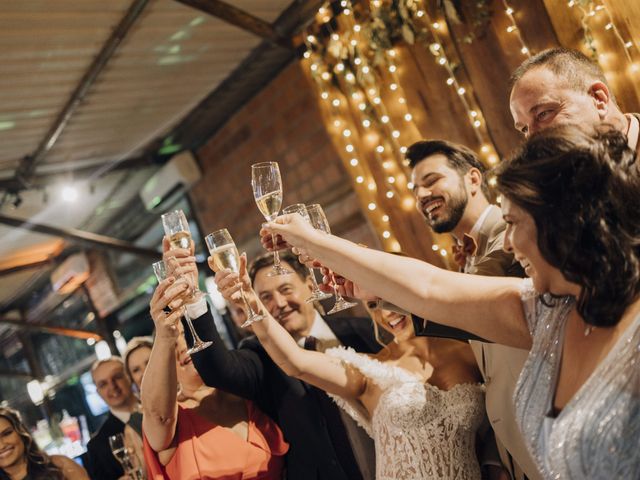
<point x="114" y="387"/>
<point x="324" y="443"/>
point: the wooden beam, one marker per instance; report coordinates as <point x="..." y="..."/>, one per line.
<point x="26" y="266"/>
<point x="235" y="16"/>
<point x="51" y="329"/>
<point x="82" y="237"/>
<point x="15" y="374"/>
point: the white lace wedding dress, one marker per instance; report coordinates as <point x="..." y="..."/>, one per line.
<point x="420" y="431"/>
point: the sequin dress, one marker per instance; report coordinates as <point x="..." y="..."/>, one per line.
<point x="420" y="431"/>
<point x="597" y="433"/>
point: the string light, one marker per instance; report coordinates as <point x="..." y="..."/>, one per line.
<point x="513" y="28"/>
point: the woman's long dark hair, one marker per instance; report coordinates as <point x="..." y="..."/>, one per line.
<point x="39" y="465"/>
<point x="582" y="189"/>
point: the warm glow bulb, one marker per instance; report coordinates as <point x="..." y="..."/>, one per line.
<point x="389" y="194"/>
<point x="384" y="119"/>
<point x="336" y="123"/>
<point x="324" y="95"/>
<point x="393" y="86"/>
<point x="362" y="106"/>
<point x="340" y="67"/>
<point x="391" y="179"/>
<point x="380" y="149"/>
<point x="371" y="206"/>
<point x="484" y="149"/>
<point x="403" y="149"/>
<point x="346" y="132"/>
<point x="366" y="123"/>
<point x="473" y="113"/>
<point x="365" y="69"/>
<point x="493" y="181"/>
<point x="349" y="148"/>
<point x="395" y="134"/>
<point x="359" y="179"/>
<point x="628" y="44"/>
<point x="443" y="252"/>
<point x="392" y="68"/>
<point x="326" y="76"/>
<point x="356" y="28"/>
<point x="371" y="186"/>
<point x="377" y="100"/>
<point x="408" y="117"/>
<point x="435" y="25"/>
<point x="493" y="159"/>
<point x="357" y="61"/>
<point x="435" y="247"/>
<point x="354" y="162"/>
<point x="335" y="102"/>
<point x="410" y="185"/>
<point x="510" y="28"/>
<point x="442" y="61"/>
<point x="350" y="77"/>
<point x="386" y="164"/>
<point x="450" y="81"/>
<point x="386" y="234"/>
<point x="385" y="218"/>
<point x="476" y="124"/>
<point x="608" y="26"/>
<point x="335" y="37"/>
<point x="461" y="91"/>
<point x="306" y="54"/>
<point x="391" y="52"/>
<point x="401" y="100"/>
<point x="314" y="67"/>
<point x="509" y="11"/>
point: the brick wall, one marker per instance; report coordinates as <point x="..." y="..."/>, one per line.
<point x="283" y="124"/>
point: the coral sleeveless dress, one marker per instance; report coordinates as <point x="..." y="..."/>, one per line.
<point x="208" y="451"/>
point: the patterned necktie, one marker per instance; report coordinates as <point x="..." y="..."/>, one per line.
<point x="468" y="248"/>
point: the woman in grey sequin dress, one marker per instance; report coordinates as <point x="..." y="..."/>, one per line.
<point x="570" y="199"/>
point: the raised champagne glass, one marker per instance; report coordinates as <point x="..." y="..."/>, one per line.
<point x="224" y="253"/>
<point x="160" y="269"/>
<point x="319" y="222"/>
<point x="267" y="191"/>
<point x="316" y="293"/>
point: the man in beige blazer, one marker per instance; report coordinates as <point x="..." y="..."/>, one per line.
<point x="451" y="193"/>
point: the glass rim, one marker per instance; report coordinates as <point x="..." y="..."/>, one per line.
<point x="209" y="238"/>
<point x="264" y="164"/>
<point x="173" y="212"/>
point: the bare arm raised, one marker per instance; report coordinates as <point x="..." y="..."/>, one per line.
<point x="486" y="306"/>
<point x="316" y="368"/>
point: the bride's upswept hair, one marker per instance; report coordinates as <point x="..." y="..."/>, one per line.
<point x="581" y="187"/>
<point x="39" y="465"/>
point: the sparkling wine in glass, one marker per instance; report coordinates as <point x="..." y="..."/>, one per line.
<point x="319" y="222"/>
<point x="267" y="191"/>
<point x="224" y="253"/>
<point x="160" y="269"/>
<point x="316" y="293"/>
<point x="124" y="457"/>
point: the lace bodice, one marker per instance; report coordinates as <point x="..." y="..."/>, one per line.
<point x="597" y="434"/>
<point x="420" y="431"/>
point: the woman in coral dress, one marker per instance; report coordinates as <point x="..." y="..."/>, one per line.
<point x="199" y="432"/>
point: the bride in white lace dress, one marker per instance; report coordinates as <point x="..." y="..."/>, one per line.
<point x="419" y="399"/>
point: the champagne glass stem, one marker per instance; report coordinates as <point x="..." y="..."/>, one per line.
<point x="198" y="344"/>
<point x="276" y="256"/>
<point x="335" y="289"/>
<point x="250" y="310"/>
<point x="313" y="280"/>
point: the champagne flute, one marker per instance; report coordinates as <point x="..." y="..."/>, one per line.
<point x="124" y="457"/>
<point x="319" y="222"/>
<point x="160" y="269"/>
<point x="267" y="191"/>
<point x="224" y="252"/>
<point x="316" y="293"/>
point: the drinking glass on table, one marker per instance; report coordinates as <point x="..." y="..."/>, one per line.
<point x="319" y="222"/>
<point x="316" y="293"/>
<point x="224" y="253"/>
<point x="267" y="191"/>
<point x="125" y="457"/>
<point x="160" y="270"/>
